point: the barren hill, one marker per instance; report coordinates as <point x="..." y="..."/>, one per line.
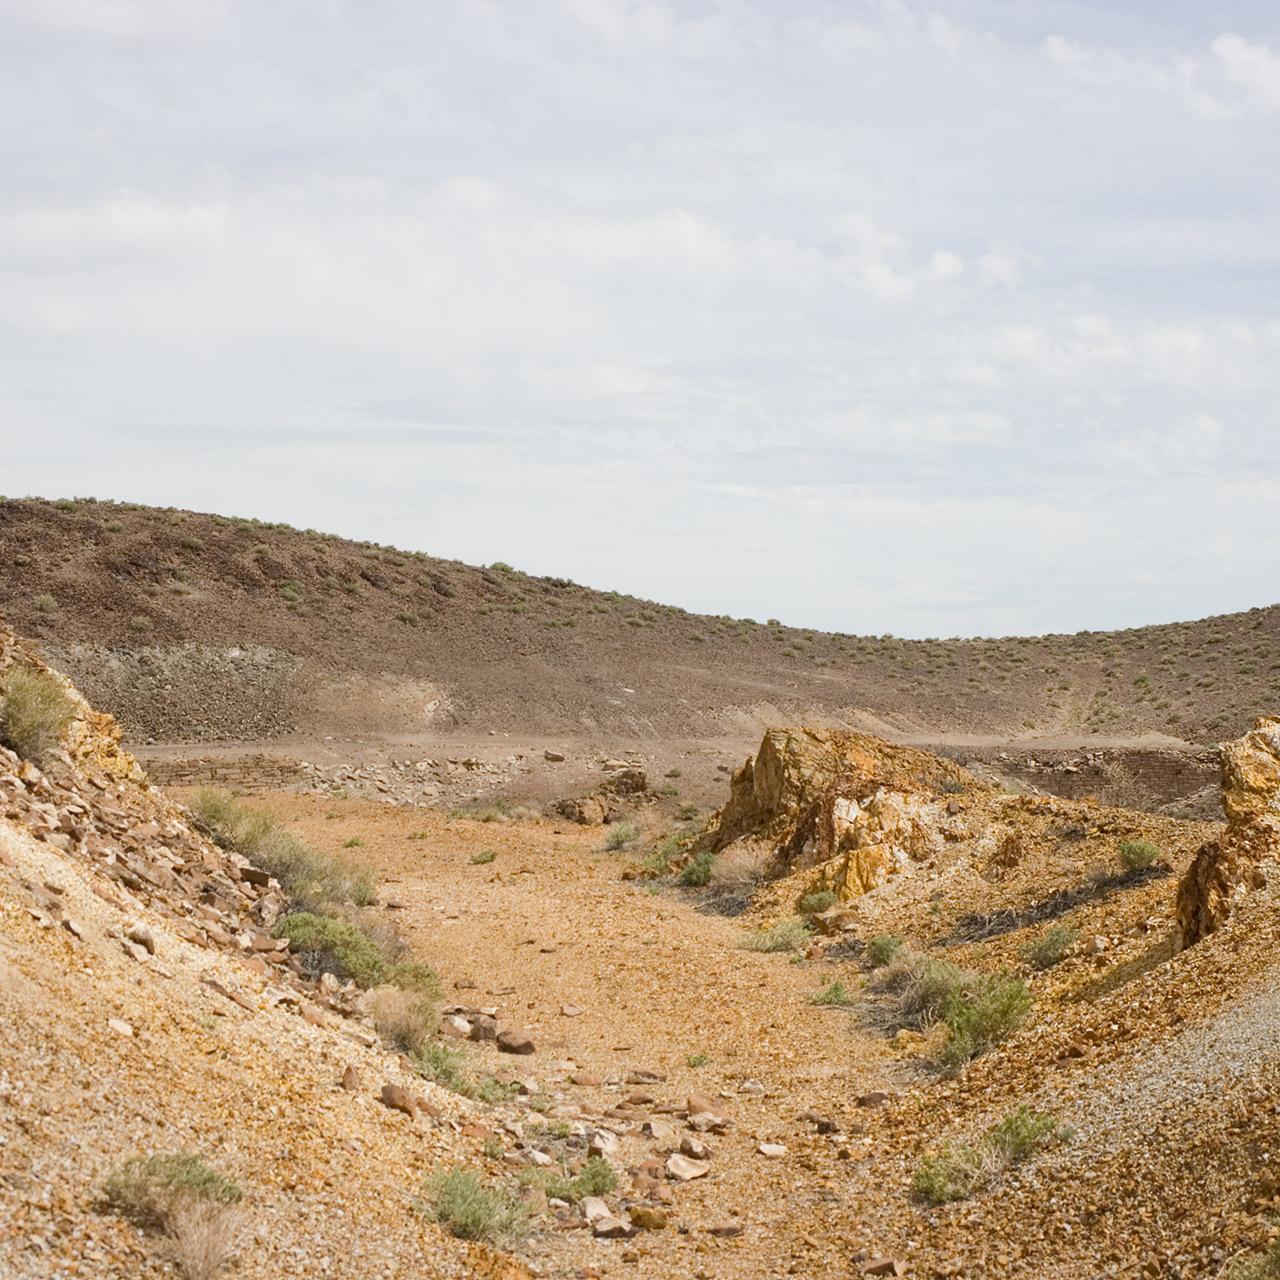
<point x="193" y="626"/>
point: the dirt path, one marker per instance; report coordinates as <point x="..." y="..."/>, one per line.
<point x="549" y="924"/>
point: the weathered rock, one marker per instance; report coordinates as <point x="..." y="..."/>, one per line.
<point x="695" y="1148"/>
<point x="587" y="811"/>
<point x="594" y="1208"/>
<point x="512" y="1040"/>
<point x="647" y="1218"/>
<point x="398" y="1098"/>
<point x="772" y="1150"/>
<point x="682" y="1169"/>
<point x="455" y="1027"/>
<point x="819" y="795"/>
<point x="1225" y="870"/>
<point x="611" y="1228"/>
<point x="351" y="1080"/>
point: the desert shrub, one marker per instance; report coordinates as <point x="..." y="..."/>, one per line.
<point x="813" y="904"/>
<point x="978" y="1009"/>
<point x="1051" y="947"/>
<point x="404" y="1018"/>
<point x="44" y="603"/>
<point x="696" y="873"/>
<point x="658" y="861"/>
<point x="1263" y="1266"/>
<point x="786" y="935"/>
<point x="35" y="712"/>
<point x="204" y="1237"/>
<point x="310" y="878"/>
<point x="141" y="622"/>
<point x="960" y="1169"/>
<point x="834" y="993"/>
<point x="470" y="1208"/>
<point x="620" y="835"/>
<point x="983" y="1015"/>
<point x="65" y="504"/>
<point x="1137" y="855"/>
<point x="442" y="1065"/>
<point x="291" y="592"/>
<point x="354" y="843"/>
<point x="499" y="810"/>
<point x="596" y="1178"/>
<point x="148" y="1188"/>
<point x="483" y="858"/>
<point x="696" y="1060"/>
<point x="882" y="949"/>
<point x="326" y="944"/>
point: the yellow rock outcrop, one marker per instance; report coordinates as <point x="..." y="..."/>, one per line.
<point x="1226" y="869"/>
<point x="813" y="795"/>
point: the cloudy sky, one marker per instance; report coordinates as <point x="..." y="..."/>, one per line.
<point x="864" y="315"/>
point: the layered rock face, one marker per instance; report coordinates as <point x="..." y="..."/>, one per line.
<point x="1226" y="869"/>
<point x="813" y="795"/>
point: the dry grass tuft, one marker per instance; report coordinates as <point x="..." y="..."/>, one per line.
<point x="35" y="712"/>
<point x="204" y="1236"/>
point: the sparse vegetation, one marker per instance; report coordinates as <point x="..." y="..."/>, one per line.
<point x="310" y="878"/>
<point x="35" y="712"/>
<point x="141" y="622"/>
<point x="834" y="993"/>
<point x="44" y="603"/>
<point x="882" y="949"/>
<point x="786" y="935"/>
<point x="696" y="1060"/>
<point x="813" y="904"/>
<point x="1263" y="1266"/>
<point x="329" y="945"/>
<point x="696" y="873"/>
<point x="1052" y="947"/>
<point x="404" y="1018"/>
<point x="977" y="1009"/>
<point x="1138" y="855"/>
<point x="596" y="1178"/>
<point x="472" y="1209"/>
<point x="483" y="858"/>
<point x="148" y="1188"/>
<point x="620" y="835"/>
<point x="960" y="1170"/>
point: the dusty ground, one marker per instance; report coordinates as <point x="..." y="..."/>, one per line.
<point x="1122" y="1043"/>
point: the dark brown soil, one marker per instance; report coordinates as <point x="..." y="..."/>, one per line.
<point x="202" y="627"/>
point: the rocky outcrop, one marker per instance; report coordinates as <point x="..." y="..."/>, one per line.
<point x="1226" y="869"/>
<point x="814" y="795"/>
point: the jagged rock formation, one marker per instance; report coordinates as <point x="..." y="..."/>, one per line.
<point x="813" y="795"/>
<point x="1226" y="869"/>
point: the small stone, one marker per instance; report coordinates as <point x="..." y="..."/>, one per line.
<point x="725" y="1229"/>
<point x="773" y="1150"/>
<point x="513" y="1041"/>
<point x="585" y="1079"/>
<point x="603" y="1143"/>
<point x="483" y="1027"/>
<point x="883" y="1267"/>
<point x="594" y="1208"/>
<point x="611" y="1228"/>
<point x="455" y="1027"/>
<point x="876" y="1098"/>
<point x="351" y="1080"/>
<point x="120" y="1026"/>
<point x="647" y="1218"/>
<point x="682" y="1169"/>
<point x="571" y="1011"/>
<point x="397" y="1098"/>
<point x="753" y="1088"/>
<point x="695" y="1148"/>
<point x="143" y="936"/>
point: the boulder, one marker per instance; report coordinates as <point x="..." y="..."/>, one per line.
<point x="512" y="1040"/>
<point x="587" y="811"/>
<point x="1225" y="870"/>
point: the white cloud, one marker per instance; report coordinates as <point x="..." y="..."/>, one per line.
<point x="1251" y="66"/>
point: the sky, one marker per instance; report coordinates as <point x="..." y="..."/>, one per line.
<point x="876" y="317"/>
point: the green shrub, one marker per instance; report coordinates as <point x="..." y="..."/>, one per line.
<point x="989" y="1011"/>
<point x="35" y="712"/>
<point x="1264" y="1266"/>
<point x="442" y="1065"/>
<point x="815" y="903"/>
<point x="882" y="949"/>
<point x="696" y="1060"/>
<point x="596" y="1178"/>
<point x="1138" y="855"/>
<point x="308" y="877"/>
<point x="326" y="944"/>
<point x="834" y="993"/>
<point x="354" y="843"/>
<point x="1051" y="948"/>
<point x="471" y="1209"/>
<point x="483" y="858"/>
<point x="959" y="1170"/>
<point x="978" y="1009"/>
<point x="786" y="935"/>
<point x="620" y="835"/>
<point x="141" y="622"/>
<point x="291" y="592"/>
<point x="44" y="603"/>
<point x="696" y="873"/>
<point x="149" y="1188"/>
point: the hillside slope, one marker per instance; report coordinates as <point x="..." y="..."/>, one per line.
<point x="201" y="626"/>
